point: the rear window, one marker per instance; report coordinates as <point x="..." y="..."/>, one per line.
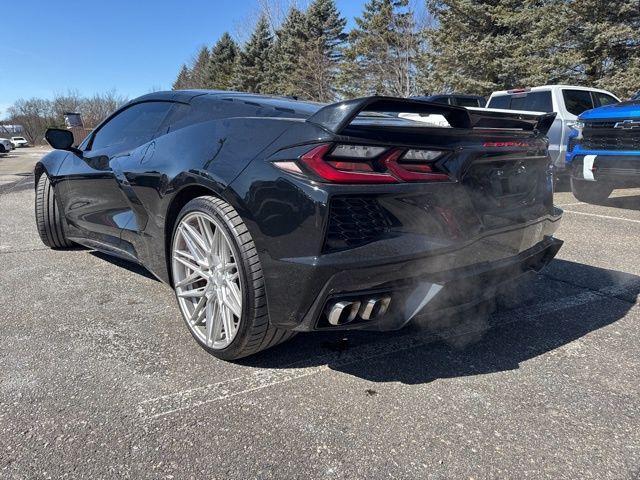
<point x="444" y="100"/>
<point x="531" y="101"/>
<point x="500" y="101"/>
<point x="577" y="101"/>
<point x="466" y="102"/>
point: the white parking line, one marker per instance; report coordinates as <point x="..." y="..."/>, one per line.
<point x="609" y="217"/>
<point x="164" y="405"/>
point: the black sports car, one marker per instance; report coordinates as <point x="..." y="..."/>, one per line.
<point x="269" y="216"/>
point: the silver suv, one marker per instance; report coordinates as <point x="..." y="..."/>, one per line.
<point x="567" y="101"/>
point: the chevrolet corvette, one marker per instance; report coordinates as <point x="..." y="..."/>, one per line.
<point x="269" y="216"/>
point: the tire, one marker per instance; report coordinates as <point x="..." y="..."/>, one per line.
<point x="590" y="192"/>
<point x="254" y="331"/>
<point x="52" y="226"/>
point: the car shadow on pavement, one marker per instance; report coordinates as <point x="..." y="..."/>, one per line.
<point x="132" y="267"/>
<point x="475" y="343"/>
<point x="627" y="203"/>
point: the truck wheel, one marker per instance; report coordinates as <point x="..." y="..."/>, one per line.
<point x="590" y="192"/>
<point x="51" y="224"/>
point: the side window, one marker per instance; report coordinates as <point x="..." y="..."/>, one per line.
<point x="500" y="101"/>
<point x="178" y="118"/>
<point x="577" y="101"/>
<point x="602" y="99"/>
<point x="132" y="127"/>
<point x="533" y="102"/>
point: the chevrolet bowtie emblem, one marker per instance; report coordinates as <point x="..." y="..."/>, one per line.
<point x="628" y="124"/>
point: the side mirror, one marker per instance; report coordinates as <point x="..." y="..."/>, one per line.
<point x="60" y="139"/>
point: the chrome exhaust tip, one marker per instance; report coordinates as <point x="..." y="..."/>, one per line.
<point x="374" y="307"/>
<point x="343" y="312"/>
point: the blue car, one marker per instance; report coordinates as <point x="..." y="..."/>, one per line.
<point x="604" y="151"/>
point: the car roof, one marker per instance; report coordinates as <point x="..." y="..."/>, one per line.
<point x="292" y="105"/>
<point x="545" y="88"/>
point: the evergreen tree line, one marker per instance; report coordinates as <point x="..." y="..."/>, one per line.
<point x="466" y="46"/>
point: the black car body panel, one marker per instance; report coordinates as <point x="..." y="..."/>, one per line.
<point x="490" y="221"/>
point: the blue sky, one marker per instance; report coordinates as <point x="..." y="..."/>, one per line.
<point x="131" y="46"/>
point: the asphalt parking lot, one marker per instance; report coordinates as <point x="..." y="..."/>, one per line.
<point x="100" y="378"/>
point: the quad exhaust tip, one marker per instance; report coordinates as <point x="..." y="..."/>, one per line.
<point x="346" y="311"/>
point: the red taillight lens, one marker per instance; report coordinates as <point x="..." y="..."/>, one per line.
<point x="359" y="164"/>
<point x="342" y="171"/>
<point x="411" y="170"/>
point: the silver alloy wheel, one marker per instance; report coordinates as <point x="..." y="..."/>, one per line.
<point x="207" y="280"/>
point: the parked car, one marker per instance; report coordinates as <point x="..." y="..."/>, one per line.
<point x="5" y="145"/>
<point x="567" y="101"/>
<point x="460" y="100"/>
<point x="269" y="216"/>
<point x="604" y="151"/>
<point x="20" y="142"/>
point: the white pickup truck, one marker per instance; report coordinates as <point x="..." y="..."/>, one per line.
<point x="567" y="101"/>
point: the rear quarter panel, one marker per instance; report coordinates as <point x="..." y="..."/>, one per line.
<point x="209" y="155"/>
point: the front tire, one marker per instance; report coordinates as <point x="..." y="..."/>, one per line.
<point x="218" y="281"/>
<point x="52" y="226"/>
<point x="590" y="192"/>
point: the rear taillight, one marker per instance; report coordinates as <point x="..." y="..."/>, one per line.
<point x="357" y="164"/>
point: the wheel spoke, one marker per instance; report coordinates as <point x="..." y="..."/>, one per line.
<point x="189" y="279"/>
<point x="197" y="237"/>
<point x="207" y="232"/>
<point x="187" y="263"/>
<point x="213" y="322"/>
<point x="195" y="315"/>
<point x="232" y="298"/>
<point x="219" y="247"/>
<point x="194" y="242"/>
<point x="196" y="292"/>
<point x="227" y="319"/>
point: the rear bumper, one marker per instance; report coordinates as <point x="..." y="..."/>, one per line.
<point x="463" y="273"/>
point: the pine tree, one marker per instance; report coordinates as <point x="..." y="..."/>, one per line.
<point x="382" y="52"/>
<point x="482" y="46"/>
<point x="183" y="81"/>
<point x="200" y="69"/>
<point x="222" y="63"/>
<point x="607" y="40"/>
<point x="252" y="68"/>
<point x="284" y="62"/>
<point x="325" y="24"/>
<point x="322" y="51"/>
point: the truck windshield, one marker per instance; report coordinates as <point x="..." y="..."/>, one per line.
<point x="530" y="101"/>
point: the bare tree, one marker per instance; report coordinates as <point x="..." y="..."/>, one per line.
<point x="35" y="115"/>
<point x="98" y="107"/>
<point x="275" y="11"/>
<point x="63" y="103"/>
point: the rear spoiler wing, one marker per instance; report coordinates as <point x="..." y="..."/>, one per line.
<point x="336" y="117"/>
